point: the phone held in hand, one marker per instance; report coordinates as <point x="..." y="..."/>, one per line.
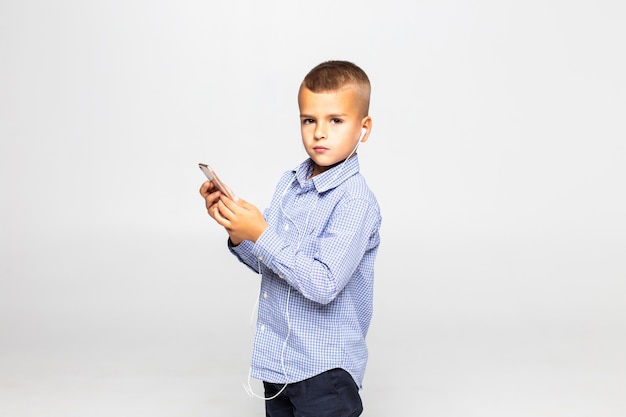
<point x="212" y="176"/>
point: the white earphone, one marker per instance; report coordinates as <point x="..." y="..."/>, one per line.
<point x="363" y="132"/>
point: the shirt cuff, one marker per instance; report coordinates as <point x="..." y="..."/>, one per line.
<point x="240" y="249"/>
<point x="262" y="249"/>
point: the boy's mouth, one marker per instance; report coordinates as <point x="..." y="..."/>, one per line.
<point x="320" y="148"/>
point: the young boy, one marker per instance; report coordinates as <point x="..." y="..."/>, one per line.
<point x="315" y="248"/>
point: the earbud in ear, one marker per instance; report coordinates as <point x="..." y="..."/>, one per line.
<point x="363" y="132"/>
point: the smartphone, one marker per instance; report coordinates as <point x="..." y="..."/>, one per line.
<point x="212" y="176"/>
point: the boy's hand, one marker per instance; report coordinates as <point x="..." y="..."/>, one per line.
<point x="242" y="220"/>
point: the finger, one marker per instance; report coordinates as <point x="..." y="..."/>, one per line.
<point x="211" y="199"/>
<point x="233" y="205"/>
<point x="225" y="208"/>
<point x="215" y="213"/>
<point x="205" y="187"/>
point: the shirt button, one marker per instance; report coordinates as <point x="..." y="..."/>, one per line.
<point x="286" y="227"/>
<point x="262" y="328"/>
<point x="281" y="276"/>
<point x="265" y="294"/>
<point x="260" y="258"/>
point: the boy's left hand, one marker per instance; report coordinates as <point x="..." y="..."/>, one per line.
<point x="242" y="220"/>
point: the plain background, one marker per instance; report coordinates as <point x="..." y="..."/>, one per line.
<point x="497" y="153"/>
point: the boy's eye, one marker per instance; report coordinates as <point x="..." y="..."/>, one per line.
<point x="336" y="121"/>
<point x="307" y="121"/>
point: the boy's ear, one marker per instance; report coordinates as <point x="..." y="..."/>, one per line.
<point x="365" y="130"/>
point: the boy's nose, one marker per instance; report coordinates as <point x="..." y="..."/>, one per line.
<point x="320" y="133"/>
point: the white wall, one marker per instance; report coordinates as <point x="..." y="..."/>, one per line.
<point x="497" y="155"/>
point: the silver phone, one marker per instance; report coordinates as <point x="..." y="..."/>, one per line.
<point x="212" y="176"/>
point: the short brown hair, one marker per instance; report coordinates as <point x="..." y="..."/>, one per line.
<point x="335" y="75"/>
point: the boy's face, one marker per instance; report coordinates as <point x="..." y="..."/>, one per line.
<point x="331" y="124"/>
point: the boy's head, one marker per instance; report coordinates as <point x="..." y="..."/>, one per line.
<point x="334" y="112"/>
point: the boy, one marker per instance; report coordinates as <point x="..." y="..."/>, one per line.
<point x="315" y="248"/>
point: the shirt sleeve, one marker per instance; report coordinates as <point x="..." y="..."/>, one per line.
<point x="243" y="252"/>
<point x="321" y="274"/>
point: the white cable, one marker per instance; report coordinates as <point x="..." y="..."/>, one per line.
<point x="248" y="387"/>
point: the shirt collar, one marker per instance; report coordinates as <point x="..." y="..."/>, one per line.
<point x="328" y="179"/>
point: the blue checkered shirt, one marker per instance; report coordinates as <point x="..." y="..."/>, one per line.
<point x="317" y="264"/>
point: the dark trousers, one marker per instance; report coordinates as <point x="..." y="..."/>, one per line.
<point x="330" y="394"/>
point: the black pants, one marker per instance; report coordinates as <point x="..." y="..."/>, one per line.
<point x="330" y="394"/>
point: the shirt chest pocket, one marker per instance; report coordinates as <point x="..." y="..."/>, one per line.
<point x="301" y="221"/>
<point x="298" y="235"/>
<point x="307" y="237"/>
